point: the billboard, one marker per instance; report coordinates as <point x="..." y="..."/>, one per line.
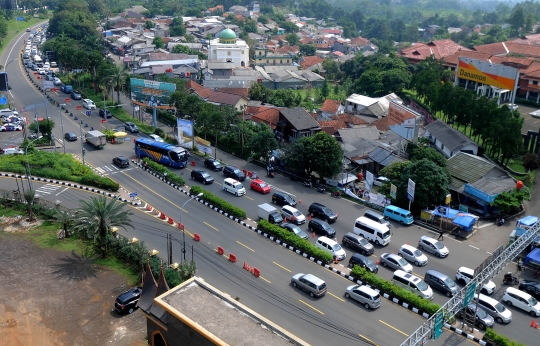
<point x="3" y="81"/>
<point x="185" y="131"/>
<point x="148" y="93"/>
<point x="484" y="72"/>
<point x="404" y="121"/>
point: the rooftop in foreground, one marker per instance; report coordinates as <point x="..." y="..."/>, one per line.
<point x="220" y="318"/>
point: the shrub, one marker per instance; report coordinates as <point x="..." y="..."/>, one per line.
<point x="396" y="291"/>
<point x="172" y="177"/>
<point x="98" y="181"/>
<point x="531" y="161"/>
<point x="499" y="339"/>
<point x="218" y="202"/>
<point x="292" y="239"/>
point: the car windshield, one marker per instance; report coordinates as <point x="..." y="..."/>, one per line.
<point x="449" y="282"/>
<point x="263" y="185"/>
<point x="500" y="308"/>
<point x="533" y="301"/>
<point x="237" y="171"/>
<point x="297" y="213"/>
<point x="417" y="253"/>
<point x="402" y="262"/>
<point x="438" y="245"/>
<point x="386" y="235"/>
<point x="422" y="286"/>
<point x="337" y="247"/>
<point x="296" y="230"/>
<point x="480" y="313"/>
<point x="204" y="174"/>
<point x="240" y="186"/>
<point x="363" y="241"/>
<point x="178" y="155"/>
<point x="368" y="262"/>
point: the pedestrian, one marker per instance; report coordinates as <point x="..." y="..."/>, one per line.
<point x="441" y="233"/>
<point x="458" y="236"/>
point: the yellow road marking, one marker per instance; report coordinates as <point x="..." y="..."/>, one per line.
<point x="155" y="193"/>
<point x="536" y="121"/>
<point x="319" y="311"/>
<point x="420" y="276"/>
<point x="333" y="295"/>
<point x="209" y="225"/>
<point x="394" y="328"/>
<point x="245" y="246"/>
<point x="265" y="279"/>
<point x="248" y="197"/>
<point x="282" y="267"/>
<point x="363" y="337"/>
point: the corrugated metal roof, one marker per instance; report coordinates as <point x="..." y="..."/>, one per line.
<point x="384" y="157"/>
<point x="468" y="168"/>
<point x="450" y="137"/>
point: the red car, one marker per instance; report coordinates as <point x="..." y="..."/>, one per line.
<point x="261" y="186"/>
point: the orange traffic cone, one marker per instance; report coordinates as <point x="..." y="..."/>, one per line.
<point x="532" y="323"/>
<point x="536" y="325"/>
<point x="309" y="217"/>
<point x="284" y="219"/>
<point x="300" y="201"/>
<point x="335" y="260"/>
<point x="377" y="262"/>
<point x="313" y="235"/>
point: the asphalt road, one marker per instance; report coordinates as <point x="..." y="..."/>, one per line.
<point x="316" y="321"/>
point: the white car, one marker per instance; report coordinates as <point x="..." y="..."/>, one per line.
<point x="13" y="151"/>
<point x="156" y="138"/>
<point x="521" y="300"/>
<point x="57" y="81"/>
<point x="293" y="215"/>
<point x="379" y="181"/>
<point x="88" y="104"/>
<point x="464" y="275"/>
<point x="41" y="71"/>
<point x="53" y="64"/>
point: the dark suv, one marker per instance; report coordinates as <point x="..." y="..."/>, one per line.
<point x="234" y="172"/>
<point x="213" y="164"/>
<point x="102" y="113"/>
<point x="127" y="301"/>
<point x="320" y="211"/>
<point x="281" y="198"/>
<point x="357" y="243"/>
<point x="321" y="227"/>
<point x="364" y="262"/>
<point x="201" y="176"/>
<point x="76" y="95"/>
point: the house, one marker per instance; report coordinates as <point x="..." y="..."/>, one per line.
<point x="143" y="48"/>
<point x="331" y="108"/>
<point x="369" y="106"/>
<point x="219" y="98"/>
<point x="197" y="89"/>
<point x="381" y="158"/>
<point x="448" y="140"/>
<point x="268" y="116"/>
<point x="475" y="182"/>
<point x="311" y="63"/>
<point x="295" y="123"/>
<point x="439" y="49"/>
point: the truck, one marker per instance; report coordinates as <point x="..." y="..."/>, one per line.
<point x="269" y="213"/>
<point x="67" y="89"/>
<point x="96" y="138"/>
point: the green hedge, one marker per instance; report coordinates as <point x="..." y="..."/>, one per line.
<point x="218" y="202"/>
<point x="499" y="339"/>
<point x="395" y="291"/>
<point x="294" y="240"/>
<point x="172" y="177"/>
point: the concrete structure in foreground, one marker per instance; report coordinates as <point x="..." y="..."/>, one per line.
<point x="199" y="314"/>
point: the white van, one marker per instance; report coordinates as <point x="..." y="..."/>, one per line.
<point x="372" y="231"/>
<point x="522" y="300"/>
<point x="37" y="59"/>
<point x="494" y="308"/>
<point x="234" y="187"/>
<point x="412" y="284"/>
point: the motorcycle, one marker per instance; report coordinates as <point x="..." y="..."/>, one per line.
<point x="270" y="171"/>
<point x="308" y="183"/>
<point x="335" y="194"/>
<point x="520" y="265"/>
<point x="321" y="189"/>
<point x="510" y="279"/>
<point x="500" y="221"/>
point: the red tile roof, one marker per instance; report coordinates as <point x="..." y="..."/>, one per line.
<point x="331" y="126"/>
<point x="269" y="117"/>
<point x="532" y="51"/>
<point x="308" y="61"/>
<point x="533" y="40"/>
<point x="453" y="59"/>
<point x="288" y="50"/>
<point x="439" y="49"/>
<point x="497" y="48"/>
<point x="381" y="124"/>
<point x="224" y="98"/>
<point x="350" y="119"/>
<point x="256" y="109"/>
<point x="331" y="106"/>
<point x="198" y="89"/>
<point x="306" y="40"/>
<point x="237" y="91"/>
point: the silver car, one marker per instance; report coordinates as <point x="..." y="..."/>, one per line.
<point x="395" y="262"/>
<point x="364" y="295"/>
<point x="413" y="255"/>
<point x="309" y="283"/>
<point x="433" y="246"/>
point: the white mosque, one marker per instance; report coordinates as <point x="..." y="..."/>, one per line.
<point x="229" y="48"/>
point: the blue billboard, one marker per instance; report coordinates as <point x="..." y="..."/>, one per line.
<point x="148" y="93"/>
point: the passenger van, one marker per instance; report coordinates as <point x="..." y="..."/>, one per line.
<point x="234" y="187"/>
<point x="372" y="231"/>
<point x="494" y="308"/>
<point x="37" y="59"/>
<point x="370" y="214"/>
<point x="412" y="284"/>
<point x="400" y="215"/>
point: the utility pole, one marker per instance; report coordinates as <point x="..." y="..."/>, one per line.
<point x="82" y="147"/>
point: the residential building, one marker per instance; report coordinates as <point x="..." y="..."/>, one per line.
<point x="331" y="108"/>
<point x="448" y="140"/>
<point x="236" y="101"/>
<point x="439" y="49"/>
<point x="229" y="48"/>
<point x="295" y="123"/>
<point x="369" y="106"/>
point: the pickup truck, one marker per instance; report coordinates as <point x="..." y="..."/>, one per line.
<point x="67" y="89"/>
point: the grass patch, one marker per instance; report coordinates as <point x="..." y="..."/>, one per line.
<point x="517" y="166"/>
<point x="120" y="267"/>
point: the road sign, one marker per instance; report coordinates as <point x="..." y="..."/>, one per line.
<point x="89" y="113"/>
<point x="393" y="191"/>
<point x="133" y="194"/>
<point x="437" y="325"/>
<point x="410" y="190"/>
<point x="20" y="19"/>
<point x="469" y="294"/>
<point x="3" y="100"/>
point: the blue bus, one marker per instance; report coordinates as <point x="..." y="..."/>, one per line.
<point x="166" y="154"/>
<point x="400" y="215"/>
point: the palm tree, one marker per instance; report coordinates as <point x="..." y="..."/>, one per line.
<point x="96" y="218"/>
<point x="115" y="79"/>
<point x="29" y="196"/>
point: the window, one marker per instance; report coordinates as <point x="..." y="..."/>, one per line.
<point x="229" y="53"/>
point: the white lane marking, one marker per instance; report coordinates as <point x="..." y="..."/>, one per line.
<point x="477" y="248"/>
<point x="62" y="191"/>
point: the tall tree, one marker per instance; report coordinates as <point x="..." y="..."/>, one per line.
<point x="115" y="79"/>
<point x="97" y="217"/>
<point x="263" y="143"/>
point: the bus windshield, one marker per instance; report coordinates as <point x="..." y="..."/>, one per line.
<point x="178" y="155"/>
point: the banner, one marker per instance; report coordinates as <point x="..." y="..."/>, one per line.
<point x="149" y="93"/>
<point x="410" y="190"/>
<point x="369" y="180"/>
<point x="490" y="74"/>
<point x="185" y="130"/>
<point x="393" y="191"/>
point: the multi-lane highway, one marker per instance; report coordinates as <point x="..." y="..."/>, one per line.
<point x="329" y="320"/>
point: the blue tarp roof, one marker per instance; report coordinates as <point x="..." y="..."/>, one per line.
<point x="533" y="256"/>
<point x="466" y="221"/>
<point x="446" y="212"/>
<point x="527" y="220"/>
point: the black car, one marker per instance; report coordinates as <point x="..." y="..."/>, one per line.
<point x="213" y="164"/>
<point x="201" y="176"/>
<point x="26" y="56"/>
<point x="321" y="212"/>
<point x="530" y="286"/>
<point x="76" y="95"/>
<point x="234" y="172"/>
<point x="131" y="127"/>
<point x="121" y="161"/>
<point x="281" y="198"/>
<point x="102" y="113"/>
<point x="357" y="243"/>
<point x="70" y="136"/>
<point x="127" y="301"/>
<point x="364" y="262"/>
<point x="321" y="227"/>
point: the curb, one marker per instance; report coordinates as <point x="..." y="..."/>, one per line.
<point x="291" y="248"/>
<point x="467" y="335"/>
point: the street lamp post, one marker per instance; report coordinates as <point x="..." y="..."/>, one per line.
<point x="105" y="109"/>
<point x="183" y="230"/>
<point x="29" y="177"/>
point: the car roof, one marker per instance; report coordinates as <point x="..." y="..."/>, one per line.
<point x="437" y="274"/>
<point x="257" y="181"/>
<point x="466" y="270"/>
<point x="121" y="157"/>
<point x="409" y="247"/>
<point x="327" y="240"/>
<point x="429" y="239"/>
<point x="391" y="255"/>
<point x="289" y="208"/>
<point x="87" y="100"/>
<point x="313" y="279"/>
